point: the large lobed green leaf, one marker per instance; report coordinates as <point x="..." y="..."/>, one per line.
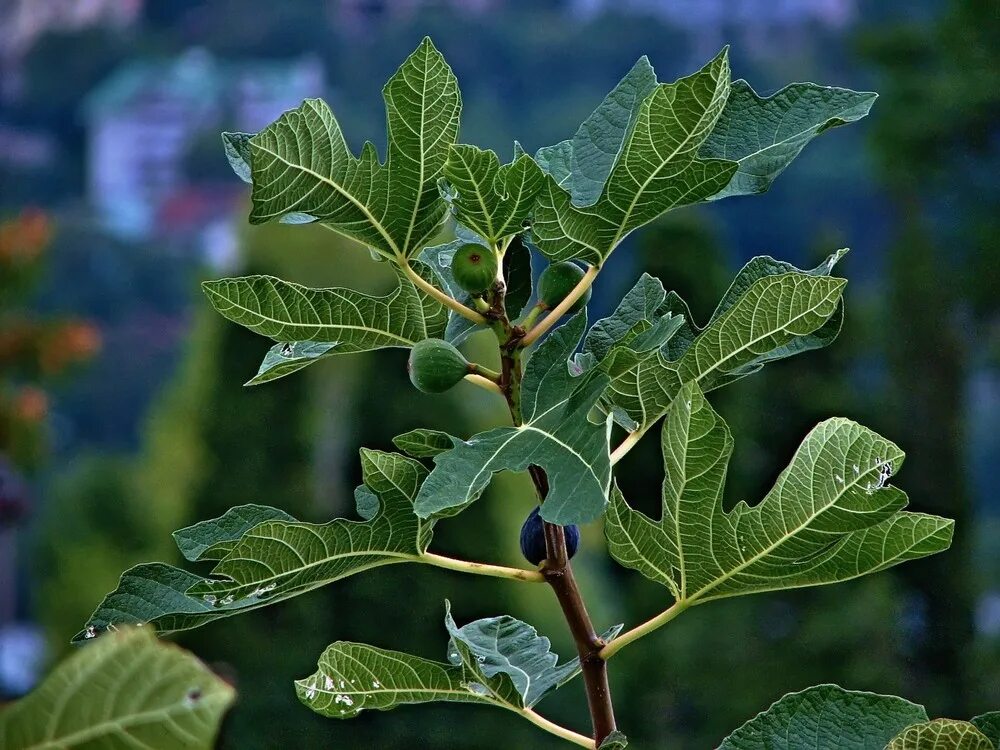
<point x="557" y="435"/>
<point x="301" y="166"/>
<point x="491" y="199"/>
<point x="649" y="347"/>
<point x="658" y="169"/>
<point x="275" y="559"/>
<point x="764" y="135"/>
<point x="649" y="148"/>
<point x="312" y="324"/>
<point x="830" y="517"/>
<point x="498" y="661"/>
<point x="126" y="690"/>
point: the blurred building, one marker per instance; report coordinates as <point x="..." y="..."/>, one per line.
<point x="146" y="120"/>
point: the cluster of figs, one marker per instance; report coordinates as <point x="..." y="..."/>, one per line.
<point x="435" y="366"/>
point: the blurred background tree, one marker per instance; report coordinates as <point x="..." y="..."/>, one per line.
<point x="157" y="432"/>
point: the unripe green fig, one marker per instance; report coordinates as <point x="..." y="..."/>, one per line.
<point x="474" y="268"/>
<point x="558" y="280"/>
<point x="435" y="366"/>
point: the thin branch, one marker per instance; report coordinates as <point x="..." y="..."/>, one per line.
<point x="440" y="296"/>
<point x="562" y="308"/>
<point x="553" y="728"/>
<point x="482" y="569"/>
<point x="484" y="382"/>
<point x="645" y="629"/>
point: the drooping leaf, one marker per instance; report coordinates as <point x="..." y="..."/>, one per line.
<point x="582" y="164"/>
<point x="826" y="716"/>
<point x="941" y="734"/>
<point x="301" y="163"/>
<point x="423" y="443"/>
<point x="491" y="199"/>
<point x="556" y="435"/>
<point x="657" y="169"/>
<point x="291" y="356"/>
<point x="498" y="661"/>
<point x="505" y="645"/>
<point x="354" y="321"/>
<point x="125" y="690"/>
<point x="277" y="559"/>
<point x="212" y="540"/>
<point x="831" y="516"/>
<point x="989" y="724"/>
<point x="764" y="135"/>
<point x="771" y="311"/>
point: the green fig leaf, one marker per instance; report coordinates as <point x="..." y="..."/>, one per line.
<point x="423" y="443"/>
<point x="556" y="435"/>
<point x="827" y="716"/>
<point x="492" y="200"/>
<point x="214" y="539"/>
<point x="301" y="164"/>
<point x="658" y="169"/>
<point x="276" y="559"/>
<point x="831" y="515"/>
<point x="941" y="734"/>
<point x="126" y="689"/>
<point x="764" y="135"/>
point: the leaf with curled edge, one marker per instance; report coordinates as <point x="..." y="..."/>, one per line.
<point x="498" y="661"/>
<point x="831" y="515"/>
<point x="301" y="165"/>
<point x="556" y="434"/>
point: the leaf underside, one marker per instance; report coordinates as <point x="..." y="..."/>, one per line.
<point x="275" y="559"/>
<point x="124" y="690"/>
<point x="830" y="517"/>
<point x="941" y="734"/>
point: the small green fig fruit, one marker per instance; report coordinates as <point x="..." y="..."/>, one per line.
<point x="474" y="268"/>
<point x="435" y="366"/>
<point x="558" y="280"/>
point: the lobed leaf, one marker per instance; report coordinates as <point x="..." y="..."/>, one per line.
<point x="941" y="734"/>
<point x="581" y="165"/>
<point x="771" y="311"/>
<point x="657" y="169"/>
<point x="498" y="661"/>
<point x="125" y="690"/>
<point x="830" y="517"/>
<point x="301" y="164"/>
<point x="826" y="716"/>
<point x="764" y="135"/>
<point x="556" y="435"/>
<point x="492" y="200"/>
<point x="277" y="559"/>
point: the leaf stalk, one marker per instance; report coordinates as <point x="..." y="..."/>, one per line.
<point x="644" y="629"/>
<point x="562" y="308"/>
<point x="553" y="728"/>
<point x="445" y="299"/>
<point x="482" y="569"/>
